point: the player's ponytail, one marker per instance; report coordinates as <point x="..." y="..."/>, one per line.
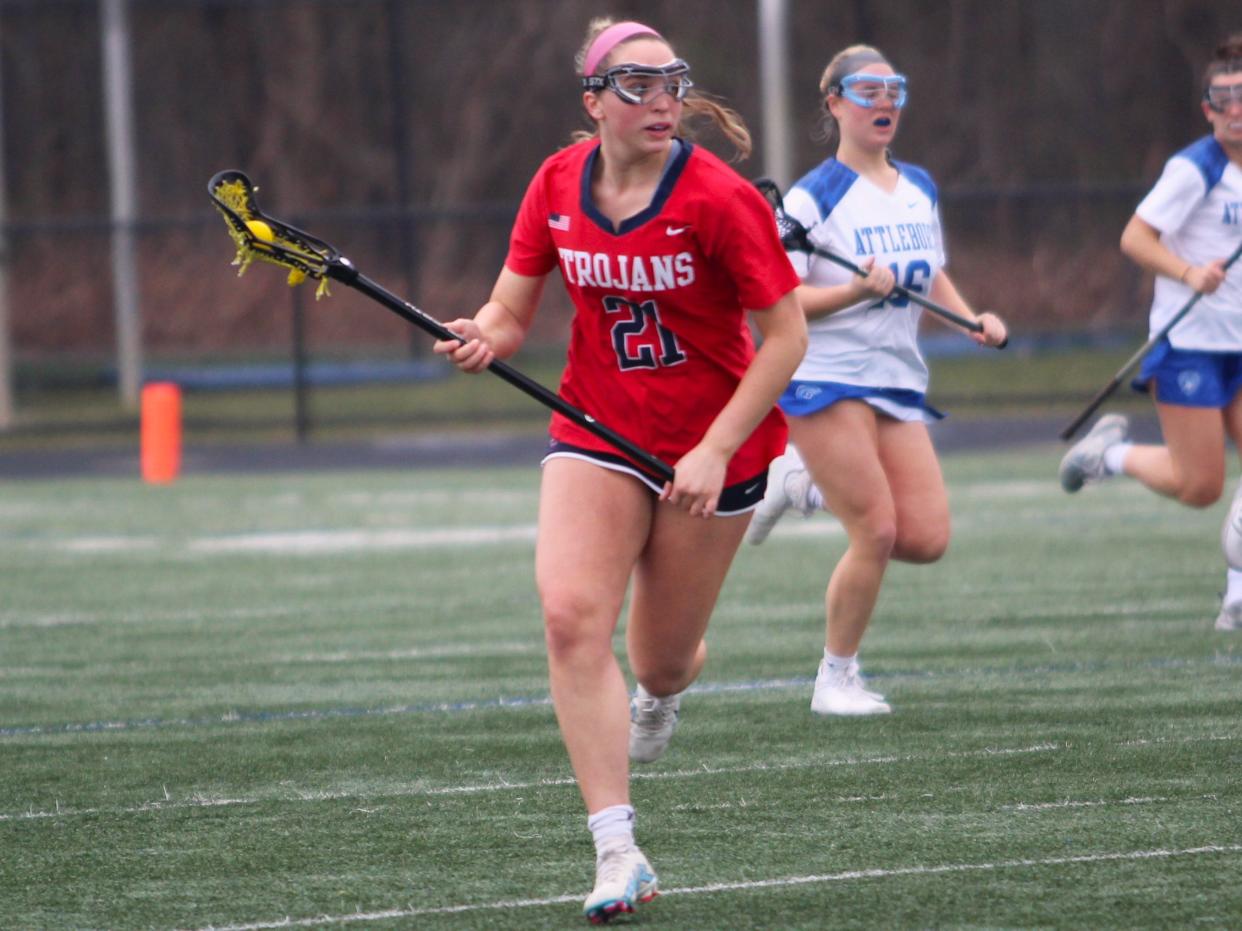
<point x="727" y="120"/>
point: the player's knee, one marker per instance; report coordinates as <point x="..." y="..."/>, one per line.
<point x="666" y="674"/>
<point x="876" y="537"/>
<point x="1198" y="492"/>
<point x="569" y="623"/>
<point x="926" y="545"/>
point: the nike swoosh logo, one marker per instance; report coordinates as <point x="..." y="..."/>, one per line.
<point x="747" y="491"/>
<point x="675" y="230"/>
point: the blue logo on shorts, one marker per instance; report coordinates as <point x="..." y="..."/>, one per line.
<point x="807" y="392"/>
<point x="1189" y="382"/>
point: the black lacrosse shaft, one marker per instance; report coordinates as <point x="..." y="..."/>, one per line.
<point x="1100" y="397"/>
<point x="1103" y="394"/>
<point x="342" y="270"/>
<point x="798" y="238"/>
<point x="973" y="325"/>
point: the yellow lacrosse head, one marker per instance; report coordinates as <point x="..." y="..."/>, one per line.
<point x="261" y="237"/>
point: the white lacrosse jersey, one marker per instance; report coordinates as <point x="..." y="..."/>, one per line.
<point x="873" y="343"/>
<point x="1197" y="207"/>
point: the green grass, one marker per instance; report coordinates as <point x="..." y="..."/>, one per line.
<point x="233" y="700"/>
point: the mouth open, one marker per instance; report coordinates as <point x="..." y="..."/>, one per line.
<point x="882" y="122"/>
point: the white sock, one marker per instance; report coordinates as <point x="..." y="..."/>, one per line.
<point x="1115" y="458"/>
<point x="1233" y="586"/>
<point x="815" y="497"/>
<point x="612" y="827"/>
<point x="838" y="663"/>
<point x="639" y="692"/>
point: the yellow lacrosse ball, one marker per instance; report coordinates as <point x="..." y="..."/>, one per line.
<point x="260" y="230"/>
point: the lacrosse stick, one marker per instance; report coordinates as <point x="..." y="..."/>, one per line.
<point x="1103" y="394"/>
<point x="794" y="237"/>
<point x="259" y="236"/>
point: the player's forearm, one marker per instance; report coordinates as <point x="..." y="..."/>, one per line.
<point x="820" y="301"/>
<point x="508" y="313"/>
<point x="1140" y="242"/>
<point x="784" y="344"/>
<point x="501" y="328"/>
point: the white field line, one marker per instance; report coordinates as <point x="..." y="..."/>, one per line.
<point x="317" y="542"/>
<point x="15" y="619"/>
<point x="198" y="801"/>
<point x="776" y="883"/>
<point x="1101" y="803"/>
<point x="1149" y="613"/>
<point x="434" y="652"/>
<point x="168" y="803"/>
<point x="519" y="703"/>
<point x="299" y="542"/>
<point x="441" y="651"/>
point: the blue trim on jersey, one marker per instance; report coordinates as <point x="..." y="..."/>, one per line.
<point x="920" y="179"/>
<point x="664" y="190"/>
<point x="1209" y="157"/>
<point x="827" y="184"/>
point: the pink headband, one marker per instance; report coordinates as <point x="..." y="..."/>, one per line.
<point x="609" y="39"/>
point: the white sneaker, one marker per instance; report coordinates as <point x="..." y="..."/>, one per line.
<point x="652" y="722"/>
<point x="1230" y="617"/>
<point x="856" y="670"/>
<point x="1231" y="531"/>
<point x="843" y="692"/>
<point x="623" y="878"/>
<point x="789" y="486"/>
<point x="1085" y="461"/>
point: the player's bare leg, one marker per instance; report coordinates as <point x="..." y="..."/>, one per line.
<point x="676" y="584"/>
<point x="840" y="446"/>
<point x="1190" y="466"/>
<point x="1230" y="617"/>
<point x="592" y="525"/>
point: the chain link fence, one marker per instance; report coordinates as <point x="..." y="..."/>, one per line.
<point x="404" y="131"/>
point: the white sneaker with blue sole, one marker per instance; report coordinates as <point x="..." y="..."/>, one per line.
<point x="623" y="879"/>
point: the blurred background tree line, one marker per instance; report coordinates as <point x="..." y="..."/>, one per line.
<point x="405" y="132"/>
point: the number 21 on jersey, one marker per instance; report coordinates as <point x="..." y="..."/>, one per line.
<point x="632" y="336"/>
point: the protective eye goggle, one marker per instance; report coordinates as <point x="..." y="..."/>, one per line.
<point x="870" y="90"/>
<point x="1220" y="96"/>
<point x="639" y="84"/>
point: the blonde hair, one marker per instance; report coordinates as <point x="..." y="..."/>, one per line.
<point x="843" y="64"/>
<point x="696" y="103"/>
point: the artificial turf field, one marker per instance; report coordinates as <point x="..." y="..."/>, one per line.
<point x="320" y="700"/>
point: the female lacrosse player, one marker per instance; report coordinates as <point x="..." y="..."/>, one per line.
<point x="1182" y="232"/>
<point x="857" y="410"/>
<point x="663" y="249"/>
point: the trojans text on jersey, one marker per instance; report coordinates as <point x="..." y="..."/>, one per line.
<point x="627" y="272"/>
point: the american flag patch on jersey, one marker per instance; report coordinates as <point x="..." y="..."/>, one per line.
<point x="558" y="221"/>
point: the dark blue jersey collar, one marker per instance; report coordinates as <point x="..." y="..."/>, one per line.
<point x="672" y="171"/>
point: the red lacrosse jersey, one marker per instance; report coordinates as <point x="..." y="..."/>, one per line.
<point x="659" y="339"/>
